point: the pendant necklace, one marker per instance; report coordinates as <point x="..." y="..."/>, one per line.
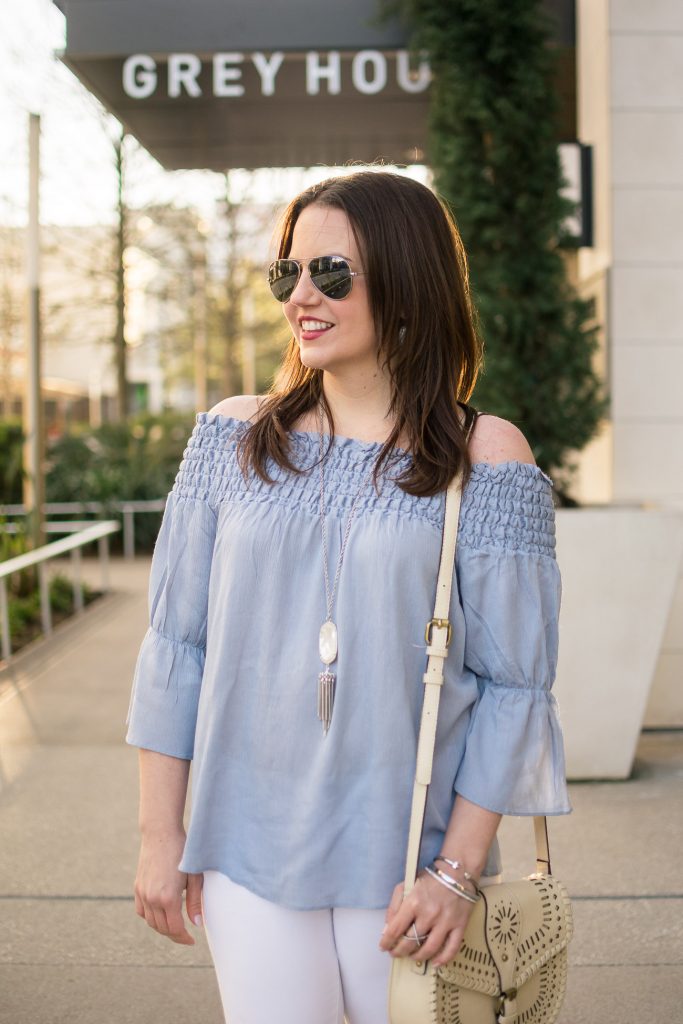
<point x="328" y="645"/>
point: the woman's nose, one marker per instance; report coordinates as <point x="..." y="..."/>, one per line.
<point x="305" y="293"/>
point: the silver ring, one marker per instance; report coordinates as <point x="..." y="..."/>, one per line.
<point x="415" y="938"/>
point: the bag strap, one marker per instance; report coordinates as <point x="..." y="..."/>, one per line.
<point x="438" y="637"/>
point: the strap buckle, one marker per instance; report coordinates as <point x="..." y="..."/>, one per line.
<point x="442" y="624"/>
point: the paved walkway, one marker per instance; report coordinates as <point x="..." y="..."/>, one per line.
<point x="73" y="950"/>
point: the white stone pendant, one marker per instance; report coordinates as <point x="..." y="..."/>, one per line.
<point x="327" y="642"/>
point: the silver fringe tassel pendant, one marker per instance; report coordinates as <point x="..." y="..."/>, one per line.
<point x="327" y="645"/>
<point x="326" y="682"/>
<point x="327" y="640"/>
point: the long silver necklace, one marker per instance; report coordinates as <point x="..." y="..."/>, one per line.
<point x="328" y="640"/>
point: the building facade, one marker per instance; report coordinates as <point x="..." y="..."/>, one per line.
<point x="629" y="102"/>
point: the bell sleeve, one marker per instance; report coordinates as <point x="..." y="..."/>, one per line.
<point x="510" y="590"/>
<point x="162" y="713"/>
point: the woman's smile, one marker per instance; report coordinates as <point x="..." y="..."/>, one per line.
<point x="312" y="328"/>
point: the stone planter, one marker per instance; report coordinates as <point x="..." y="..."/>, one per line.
<point x="620" y="567"/>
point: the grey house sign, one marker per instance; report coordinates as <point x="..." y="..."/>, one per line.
<point x="222" y="84"/>
<point x="258" y="83"/>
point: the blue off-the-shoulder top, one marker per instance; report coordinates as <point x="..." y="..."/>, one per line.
<point x="227" y="672"/>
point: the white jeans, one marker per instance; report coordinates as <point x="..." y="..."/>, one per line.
<point x="294" y="966"/>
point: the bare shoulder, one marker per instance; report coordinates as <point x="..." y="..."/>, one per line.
<point x="497" y="440"/>
<point x="239" y="407"/>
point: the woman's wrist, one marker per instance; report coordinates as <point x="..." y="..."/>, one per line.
<point x="467" y="865"/>
<point x="464" y="890"/>
<point x="158" y="831"/>
<point x="470" y="833"/>
<point x="455" y="866"/>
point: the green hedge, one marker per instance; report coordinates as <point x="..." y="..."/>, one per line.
<point x="23" y="594"/>
<point x="25" y="623"/>
<point x="137" y="460"/>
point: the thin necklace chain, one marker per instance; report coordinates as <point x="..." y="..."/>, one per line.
<point x="330" y="599"/>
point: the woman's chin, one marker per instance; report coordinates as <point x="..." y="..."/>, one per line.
<point x="315" y="359"/>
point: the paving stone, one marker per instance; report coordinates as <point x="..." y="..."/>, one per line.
<point x="108" y="995"/>
<point x="73" y="950"/>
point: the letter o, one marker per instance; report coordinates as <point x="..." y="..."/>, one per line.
<point x="359" y="71"/>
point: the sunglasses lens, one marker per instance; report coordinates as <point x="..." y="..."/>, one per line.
<point x="282" y="278"/>
<point x="331" y="275"/>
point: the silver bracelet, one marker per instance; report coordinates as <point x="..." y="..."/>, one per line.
<point x="449" y="878"/>
<point x="455" y="864"/>
<point x="454" y="881"/>
<point x="460" y="891"/>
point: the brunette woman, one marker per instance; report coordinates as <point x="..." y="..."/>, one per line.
<point x="292" y="579"/>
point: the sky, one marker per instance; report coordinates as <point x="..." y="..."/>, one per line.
<point x="78" y="183"/>
<point x="76" y="173"/>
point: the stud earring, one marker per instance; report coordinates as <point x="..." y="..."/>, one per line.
<point x="401" y="334"/>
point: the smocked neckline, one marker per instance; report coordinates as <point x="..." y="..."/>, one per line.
<point x="493" y="469"/>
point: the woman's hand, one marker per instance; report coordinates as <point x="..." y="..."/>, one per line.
<point x="437" y="913"/>
<point x="159" y="887"/>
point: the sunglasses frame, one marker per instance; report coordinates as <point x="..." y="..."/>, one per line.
<point x="301" y="263"/>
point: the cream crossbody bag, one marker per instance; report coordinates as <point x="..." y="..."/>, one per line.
<point x="511" y="967"/>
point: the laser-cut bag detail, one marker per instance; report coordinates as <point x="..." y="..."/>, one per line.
<point x="511" y="967"/>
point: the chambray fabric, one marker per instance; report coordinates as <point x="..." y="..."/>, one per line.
<point x="227" y="671"/>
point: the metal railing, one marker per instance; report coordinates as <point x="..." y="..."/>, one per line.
<point x="127" y="509"/>
<point x="99" y="532"/>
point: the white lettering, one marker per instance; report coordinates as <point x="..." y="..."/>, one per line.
<point x="183" y="69"/>
<point x="369" y="69"/>
<point x="139" y="76"/>
<point x="409" y="80"/>
<point x="316" y="72"/>
<point x="359" y="75"/>
<point x="268" y="69"/>
<point x="223" y="74"/>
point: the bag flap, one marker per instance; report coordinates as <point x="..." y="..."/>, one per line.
<point x="514" y="929"/>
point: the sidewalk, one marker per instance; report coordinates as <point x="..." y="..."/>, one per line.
<point x="73" y="949"/>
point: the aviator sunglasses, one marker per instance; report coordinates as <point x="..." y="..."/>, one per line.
<point x="331" y="275"/>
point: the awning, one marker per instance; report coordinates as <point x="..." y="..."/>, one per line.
<point x="253" y="83"/>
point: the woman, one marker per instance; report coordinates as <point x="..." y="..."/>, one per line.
<point x="292" y="579"/>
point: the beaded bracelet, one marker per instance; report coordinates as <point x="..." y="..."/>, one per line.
<point x="459" y="891"/>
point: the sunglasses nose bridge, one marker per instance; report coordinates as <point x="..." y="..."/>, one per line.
<point x="304" y="286"/>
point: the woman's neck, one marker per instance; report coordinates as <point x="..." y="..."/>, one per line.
<point x="359" y="408"/>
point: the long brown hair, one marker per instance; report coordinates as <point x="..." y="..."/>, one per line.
<point x="416" y="270"/>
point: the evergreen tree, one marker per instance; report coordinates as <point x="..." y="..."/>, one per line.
<point x="493" y="149"/>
